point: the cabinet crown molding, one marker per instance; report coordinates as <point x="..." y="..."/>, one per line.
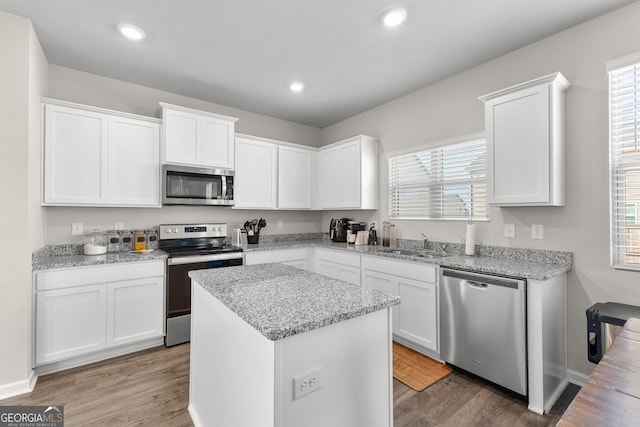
<point x="556" y="79"/>
<point x="192" y="111"/>
<point x="51" y="101"/>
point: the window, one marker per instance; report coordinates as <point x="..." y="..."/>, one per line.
<point x="447" y="181"/>
<point x="624" y="144"/>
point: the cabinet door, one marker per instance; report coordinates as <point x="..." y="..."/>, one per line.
<point x="134" y="162"/>
<point x="294" y="177"/>
<point x="418" y="317"/>
<point x="75" y="156"/>
<point x="135" y="310"/>
<point x="386" y="283"/>
<point x="256" y="174"/>
<point x="217" y="143"/>
<point x="350" y="183"/>
<point x="70" y="322"/>
<point x="349" y="274"/>
<point x="328" y="268"/>
<point x="329" y="175"/>
<point x="182" y="137"/>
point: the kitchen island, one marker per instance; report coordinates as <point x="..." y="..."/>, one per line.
<point x="273" y="345"/>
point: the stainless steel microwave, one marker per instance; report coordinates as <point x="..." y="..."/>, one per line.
<point x="190" y="185"/>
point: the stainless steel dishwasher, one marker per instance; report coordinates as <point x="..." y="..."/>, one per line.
<point x="483" y="327"/>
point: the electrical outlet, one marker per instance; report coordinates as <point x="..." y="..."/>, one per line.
<point x="118" y="226"/>
<point x="307" y="383"/>
<point x="76" y="228"/>
<point x="537" y="231"/>
<point x="279" y="223"/>
<point x="509" y="230"/>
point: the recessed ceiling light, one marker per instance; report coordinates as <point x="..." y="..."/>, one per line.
<point x="296" y="86"/>
<point x="131" y="31"/>
<point x="394" y="17"/>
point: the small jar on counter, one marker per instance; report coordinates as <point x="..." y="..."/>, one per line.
<point x="95" y="243"/>
<point x="152" y="239"/>
<point x="126" y="241"/>
<point x="139" y="240"/>
<point x="113" y="241"/>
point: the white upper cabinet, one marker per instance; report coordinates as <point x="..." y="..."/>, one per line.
<point x="295" y="168"/>
<point x="348" y="174"/>
<point x="256" y="174"/>
<point x="98" y="157"/>
<point x="272" y="174"/>
<point x="524" y="127"/>
<point x="197" y="138"/>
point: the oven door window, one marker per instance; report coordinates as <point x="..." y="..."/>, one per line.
<point x="185" y="185"/>
<point x="179" y="284"/>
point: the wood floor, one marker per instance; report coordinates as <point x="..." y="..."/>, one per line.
<point x="150" y="388"/>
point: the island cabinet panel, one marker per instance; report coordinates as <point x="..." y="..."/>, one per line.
<point x="338" y="265"/>
<point x="416" y="319"/>
<point x="238" y="377"/>
<point x="97" y="312"/>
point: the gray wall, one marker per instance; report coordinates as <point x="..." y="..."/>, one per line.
<point x="450" y="108"/>
<point x="23" y="76"/>
<point x="90" y="89"/>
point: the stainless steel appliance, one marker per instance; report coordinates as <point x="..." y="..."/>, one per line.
<point x="483" y="327"/>
<point x="187" y="185"/>
<point x="191" y="247"/>
<point x="338" y="229"/>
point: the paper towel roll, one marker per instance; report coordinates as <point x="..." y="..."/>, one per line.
<point x="470" y="240"/>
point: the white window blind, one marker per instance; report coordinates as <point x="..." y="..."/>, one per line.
<point x="624" y="111"/>
<point x="447" y="182"/>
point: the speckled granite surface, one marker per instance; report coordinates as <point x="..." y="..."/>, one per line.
<point x="281" y="301"/>
<point x="63" y="256"/>
<point x="515" y="262"/>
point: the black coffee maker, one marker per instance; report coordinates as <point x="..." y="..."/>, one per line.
<point x="338" y="229"/>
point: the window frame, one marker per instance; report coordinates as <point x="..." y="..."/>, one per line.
<point x="430" y="147"/>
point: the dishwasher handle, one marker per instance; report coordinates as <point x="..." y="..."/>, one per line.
<point x="476" y="285"/>
<point x="483" y="280"/>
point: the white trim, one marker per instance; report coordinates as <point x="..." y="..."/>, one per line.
<point x="577" y="378"/>
<point x="276" y="142"/>
<point x="556" y="78"/>
<point x="436" y="144"/>
<point x="19" y="387"/>
<point x="100" y="110"/>
<point x="622" y="62"/>
<point x="193" y="111"/>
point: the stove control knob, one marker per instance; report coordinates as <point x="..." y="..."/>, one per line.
<point x="167" y="230"/>
<point x="175" y="230"/>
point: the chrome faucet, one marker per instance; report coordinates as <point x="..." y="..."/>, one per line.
<point x="426" y="241"/>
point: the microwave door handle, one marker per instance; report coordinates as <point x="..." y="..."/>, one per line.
<point x="223" y="194"/>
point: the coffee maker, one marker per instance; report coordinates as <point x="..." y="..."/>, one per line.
<point x="338" y="229"/>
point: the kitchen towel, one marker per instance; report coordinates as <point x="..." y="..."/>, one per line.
<point x="470" y="240"/>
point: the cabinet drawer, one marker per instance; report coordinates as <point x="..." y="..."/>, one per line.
<point x="338" y="257"/>
<point x="408" y="269"/>
<point x="280" y="255"/>
<point x="94" y="274"/>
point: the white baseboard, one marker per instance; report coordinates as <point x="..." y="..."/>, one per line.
<point x="577" y="378"/>
<point x="98" y="356"/>
<point x="194" y="416"/>
<point x="19" y="387"/>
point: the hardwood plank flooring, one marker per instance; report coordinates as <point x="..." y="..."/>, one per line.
<point x="151" y="388"/>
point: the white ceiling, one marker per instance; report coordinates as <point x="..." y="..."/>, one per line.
<point x="244" y="53"/>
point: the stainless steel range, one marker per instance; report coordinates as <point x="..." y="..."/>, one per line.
<point x="191" y="247"/>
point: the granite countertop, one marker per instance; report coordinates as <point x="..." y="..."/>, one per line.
<point x="64" y="256"/>
<point x="515" y="262"/>
<point x="281" y="301"/>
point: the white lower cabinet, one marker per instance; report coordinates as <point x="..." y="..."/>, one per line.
<point x="415" y="320"/>
<point x="338" y="265"/>
<point x="85" y="310"/>
<point x="296" y="257"/>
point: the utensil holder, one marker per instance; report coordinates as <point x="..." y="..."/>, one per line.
<point x="253" y="240"/>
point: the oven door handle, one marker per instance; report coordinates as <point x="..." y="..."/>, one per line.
<point x="203" y="258"/>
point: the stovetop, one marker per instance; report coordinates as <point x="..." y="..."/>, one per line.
<point x="187" y="250"/>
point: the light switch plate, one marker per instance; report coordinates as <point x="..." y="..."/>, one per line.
<point x="279" y="223"/>
<point x="509" y="230"/>
<point x="537" y="231"/>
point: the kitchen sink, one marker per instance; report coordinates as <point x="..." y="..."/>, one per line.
<point x="420" y="253"/>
